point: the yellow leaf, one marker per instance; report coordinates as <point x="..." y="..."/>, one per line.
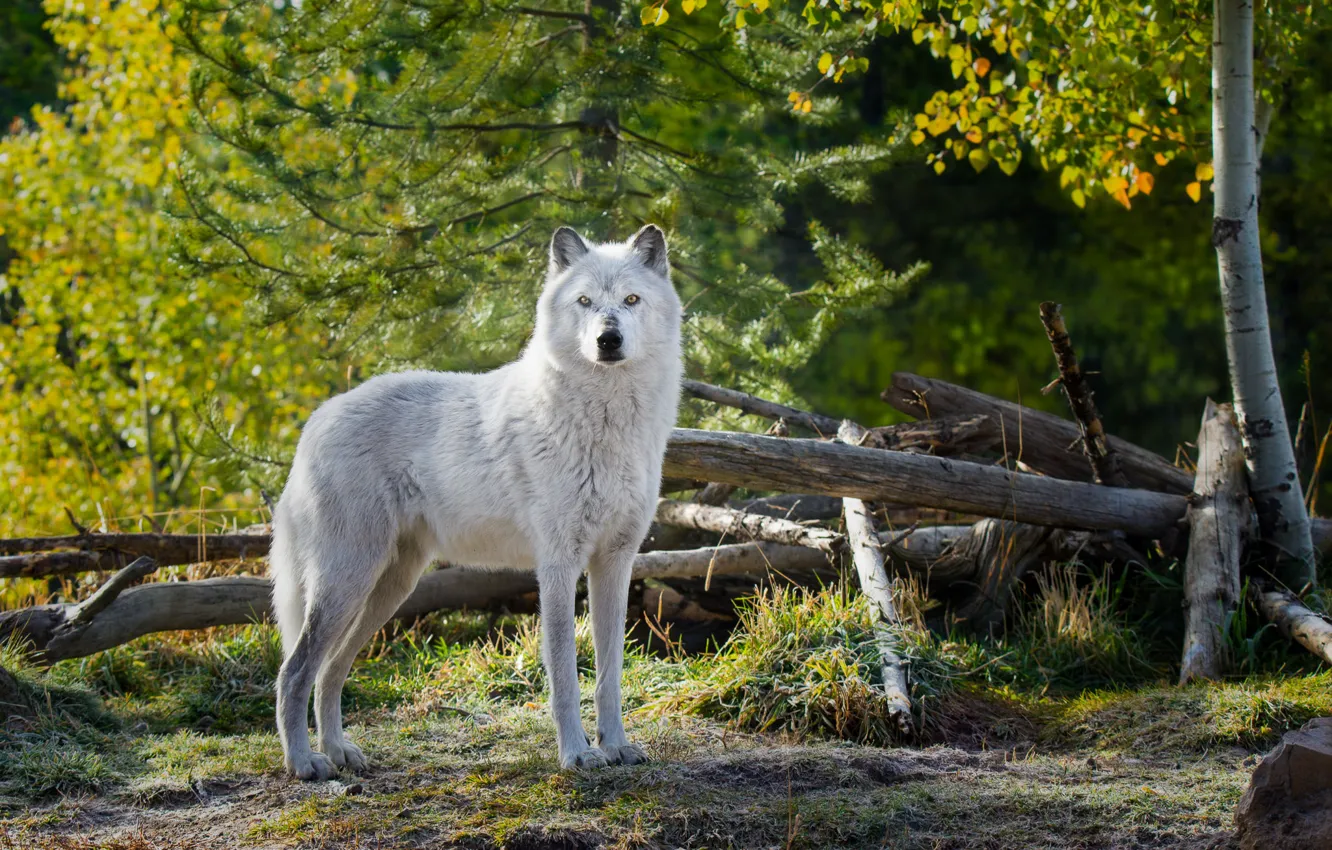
<point x="979" y="158"/>
<point x="662" y="15"/>
<point x="982" y="66"/>
<point x="921" y="120"/>
<point x="1161" y="160"/>
<point x="974" y="135"/>
<point x="917" y="137"/>
<point x="794" y="97"/>
<point x="1195" y="191"/>
<point x="688" y="6"/>
<point x="939" y="167"/>
<point x="1145" y="182"/>
<point x="1079" y="198"/>
<point x="825" y="62"/>
<point x="1114" y="184"/>
<point x="1203" y="171"/>
<point x="1122" y="197"/>
<point x="807" y="105"/>
<point x="740" y="19"/>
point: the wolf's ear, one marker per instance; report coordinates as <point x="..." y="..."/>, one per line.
<point x="650" y="246"/>
<point x="566" y="248"/>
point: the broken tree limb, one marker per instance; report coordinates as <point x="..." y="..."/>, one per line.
<point x="1218" y="517"/>
<point x="1042" y="440"/>
<point x="26" y="557"/>
<point x="187" y="605"/>
<point x="836" y="469"/>
<point x="107" y="593"/>
<point x="824" y="426"/>
<point x="1104" y="461"/>
<point x="1296" y="622"/>
<point x="746" y="525"/>
<point x="945" y="436"/>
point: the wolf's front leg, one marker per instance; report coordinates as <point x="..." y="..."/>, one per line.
<point x="608" y="596"/>
<point x="558" y="584"/>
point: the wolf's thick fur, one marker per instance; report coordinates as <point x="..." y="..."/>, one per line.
<point x="550" y="463"/>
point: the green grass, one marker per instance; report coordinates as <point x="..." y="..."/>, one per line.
<point x="1064" y="733"/>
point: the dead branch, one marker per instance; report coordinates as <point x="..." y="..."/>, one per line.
<point x="945" y="436"/>
<point x="745" y="525"/>
<point x="824" y="426"/>
<point x="1104" y="462"/>
<point x="876" y="585"/>
<point x="1296" y="622"/>
<point x="1218" y="517"/>
<point x="106" y="594"/>
<point x="1040" y="440"/>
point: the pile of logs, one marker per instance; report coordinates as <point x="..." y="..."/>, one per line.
<point x="986" y="489"/>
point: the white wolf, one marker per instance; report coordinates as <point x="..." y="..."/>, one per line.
<point x="551" y="463"/>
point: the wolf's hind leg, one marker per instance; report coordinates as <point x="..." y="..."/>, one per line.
<point x="393" y="588"/>
<point x="337" y="595"/>
<point x="608" y="598"/>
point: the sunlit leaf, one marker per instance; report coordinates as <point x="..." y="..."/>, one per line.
<point x="1195" y="191"/>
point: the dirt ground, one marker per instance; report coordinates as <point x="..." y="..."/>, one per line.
<point x="449" y="782"/>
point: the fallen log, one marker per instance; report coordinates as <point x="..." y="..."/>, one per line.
<point x="1046" y="442"/>
<point x="1296" y="622"/>
<point x="187" y="605"/>
<point x="1104" y="460"/>
<point x="746" y="525"/>
<point x="1218" y="516"/>
<point x="836" y="469"/>
<point x="824" y="471"/>
<point x="28" y="557"/>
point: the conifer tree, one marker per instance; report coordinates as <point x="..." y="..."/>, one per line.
<point x="395" y="169"/>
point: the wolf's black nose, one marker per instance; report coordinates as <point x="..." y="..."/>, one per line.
<point x="609" y="341"/>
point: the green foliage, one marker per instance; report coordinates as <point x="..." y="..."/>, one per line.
<point x="799" y="662"/>
<point x="1104" y="93"/>
<point x="107" y="349"/>
<point x="393" y="171"/>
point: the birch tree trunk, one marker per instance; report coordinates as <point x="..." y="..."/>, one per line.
<point x="1270" y="458"/>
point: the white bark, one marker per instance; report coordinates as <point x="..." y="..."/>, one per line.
<point x="1218" y="519"/>
<point x="1273" y="477"/>
<point x="867" y="554"/>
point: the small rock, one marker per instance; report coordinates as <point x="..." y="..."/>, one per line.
<point x="1289" y="801"/>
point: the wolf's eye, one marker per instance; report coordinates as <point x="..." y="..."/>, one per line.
<point x="584" y="300"/>
<point x="632" y="299"/>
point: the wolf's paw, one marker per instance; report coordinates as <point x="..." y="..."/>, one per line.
<point x="312" y="767"/>
<point x="625" y="754"/>
<point x="588" y="759"/>
<point x="348" y="755"/>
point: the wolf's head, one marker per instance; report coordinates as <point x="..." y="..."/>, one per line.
<point x="609" y="305"/>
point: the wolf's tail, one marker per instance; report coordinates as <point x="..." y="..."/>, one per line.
<point x="288" y="587"/>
